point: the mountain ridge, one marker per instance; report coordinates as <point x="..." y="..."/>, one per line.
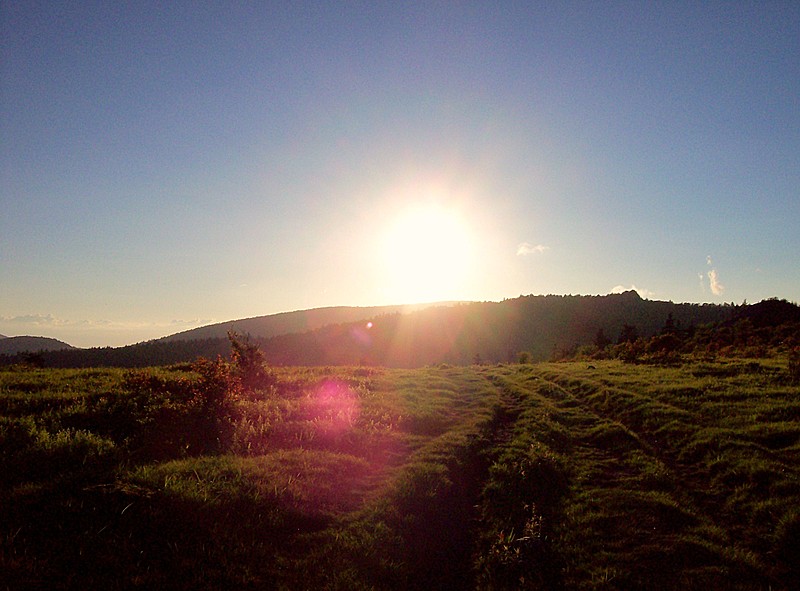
<point x="487" y="331"/>
<point x="294" y="321"/>
<point x="458" y="333"/>
<point x="30" y="344"/>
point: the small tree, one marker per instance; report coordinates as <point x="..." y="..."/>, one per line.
<point x="214" y="395"/>
<point x="248" y="363"/>
<point x="628" y="334"/>
<point x="216" y="388"/>
<point x="669" y="325"/>
<point x="630" y="351"/>
<point x="601" y="341"/>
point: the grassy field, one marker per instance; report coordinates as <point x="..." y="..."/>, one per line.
<point x="547" y="476"/>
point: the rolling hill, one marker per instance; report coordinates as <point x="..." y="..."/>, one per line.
<point x="15" y="345"/>
<point x="487" y="331"/>
<point x="293" y="322"/>
<point x="458" y="334"/>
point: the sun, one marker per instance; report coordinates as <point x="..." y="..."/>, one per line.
<point x="427" y="253"/>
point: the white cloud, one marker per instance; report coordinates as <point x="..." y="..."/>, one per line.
<point x="526" y="248"/>
<point x="644" y="293"/>
<point x="716" y="287"/>
<point x="713" y="279"/>
<point x="50" y="320"/>
<point x="32" y="320"/>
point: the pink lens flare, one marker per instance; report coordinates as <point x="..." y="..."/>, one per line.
<point x="334" y="407"/>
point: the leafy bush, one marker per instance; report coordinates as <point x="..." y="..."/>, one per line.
<point x="170" y="417"/>
<point x="630" y="351"/>
<point x="214" y="395"/>
<point x="248" y="363"/>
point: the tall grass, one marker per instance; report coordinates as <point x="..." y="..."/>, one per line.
<point x="550" y="476"/>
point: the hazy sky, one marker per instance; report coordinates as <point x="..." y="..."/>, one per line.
<point x="166" y="165"/>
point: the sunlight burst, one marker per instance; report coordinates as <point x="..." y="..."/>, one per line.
<point x="427" y="252"/>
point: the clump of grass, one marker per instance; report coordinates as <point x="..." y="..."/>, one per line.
<point x="34" y="454"/>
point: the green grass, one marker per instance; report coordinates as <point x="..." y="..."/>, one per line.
<point x="549" y="476"/>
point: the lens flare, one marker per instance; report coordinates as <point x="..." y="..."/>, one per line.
<point x="333" y="408"/>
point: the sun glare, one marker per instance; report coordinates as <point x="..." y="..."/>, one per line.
<point x="428" y="251"/>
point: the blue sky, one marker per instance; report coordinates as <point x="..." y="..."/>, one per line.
<point x="166" y="165"/>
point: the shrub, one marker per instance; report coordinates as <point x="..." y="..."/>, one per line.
<point x="217" y="387"/>
<point x="629" y="352"/>
<point x="166" y="418"/>
<point x="214" y="395"/>
<point x="248" y="363"/>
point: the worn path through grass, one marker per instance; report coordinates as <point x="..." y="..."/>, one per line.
<point x="676" y="486"/>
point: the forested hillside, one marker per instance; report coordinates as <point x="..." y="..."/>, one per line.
<point x="541" y="327"/>
<point x="13" y="345"/>
<point x="292" y="322"/>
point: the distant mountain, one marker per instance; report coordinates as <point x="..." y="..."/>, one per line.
<point x="458" y="333"/>
<point x="293" y="322"/>
<point x="14" y="345"/>
<point x="770" y="312"/>
<point x="487" y="331"/>
<point x="455" y="333"/>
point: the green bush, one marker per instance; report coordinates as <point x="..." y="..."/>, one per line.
<point x="248" y="364"/>
<point x="165" y="418"/>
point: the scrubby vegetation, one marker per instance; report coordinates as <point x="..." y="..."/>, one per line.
<point x="229" y="474"/>
<point x="756" y="332"/>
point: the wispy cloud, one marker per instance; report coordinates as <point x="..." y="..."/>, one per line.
<point x="716" y="287"/>
<point x="526" y="248"/>
<point x="644" y="293"/>
<point x="713" y="279"/>
<point x="48" y="320"/>
<point x="32" y="320"/>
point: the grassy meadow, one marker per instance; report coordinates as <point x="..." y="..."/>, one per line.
<point x="545" y="476"/>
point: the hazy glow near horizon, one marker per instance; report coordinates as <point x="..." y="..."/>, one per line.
<point x="164" y="166"/>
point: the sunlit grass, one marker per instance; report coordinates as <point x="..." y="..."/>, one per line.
<point x="519" y="476"/>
